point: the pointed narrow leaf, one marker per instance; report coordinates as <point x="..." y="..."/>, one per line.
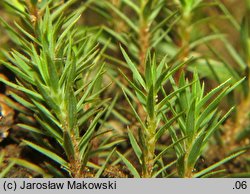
<point x="190" y="119"/>
<point x="31" y="166"/>
<point x="137" y="75"/>
<point x="151" y="103"/>
<point x="217" y="164"/>
<point x="131" y="168"/>
<point x="135" y="145"/>
<point x="68" y="146"/>
<point x="100" y="171"/>
<point x="195" y="151"/>
<point x="135" y="112"/>
<point x="163" y="169"/>
<point x="47" y="153"/>
<point x="123" y="16"/>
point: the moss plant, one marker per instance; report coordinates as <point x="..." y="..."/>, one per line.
<point x="160" y="60"/>
<point x="198" y="123"/>
<point x="52" y="70"/>
<point x="147" y="88"/>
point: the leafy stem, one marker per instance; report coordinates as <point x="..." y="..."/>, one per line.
<point x="150" y="144"/>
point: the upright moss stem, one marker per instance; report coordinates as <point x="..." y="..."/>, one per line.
<point x="144" y="44"/>
<point x="188" y="170"/>
<point x="75" y="163"/>
<point x="149" y="154"/>
<point x="144" y="38"/>
<point x="184" y="32"/>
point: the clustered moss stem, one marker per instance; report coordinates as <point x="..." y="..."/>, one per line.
<point x="188" y="170"/>
<point x="144" y="44"/>
<point x="144" y="38"/>
<point x="149" y="154"/>
<point x="184" y="31"/>
<point x="75" y="163"/>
